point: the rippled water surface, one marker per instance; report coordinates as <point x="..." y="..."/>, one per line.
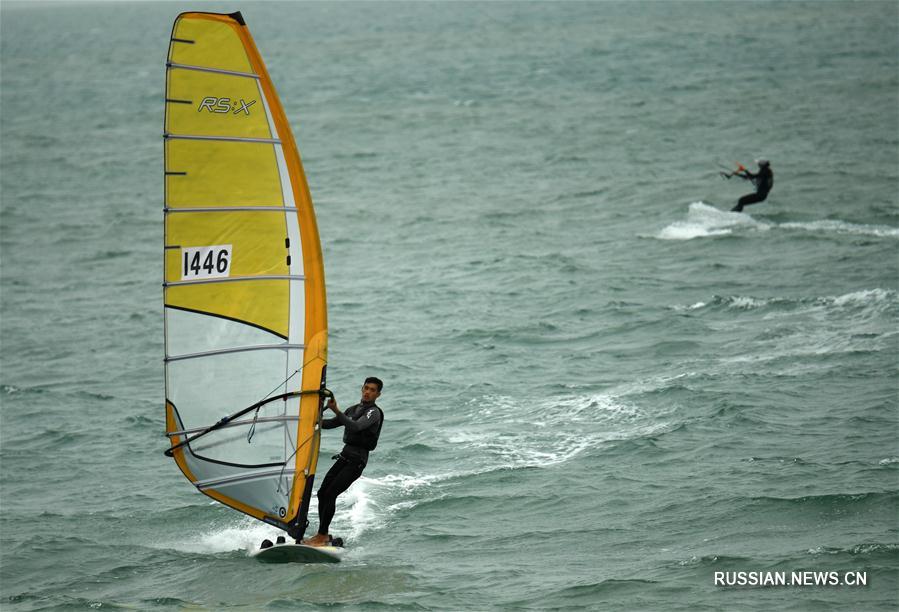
<point x="601" y="386"/>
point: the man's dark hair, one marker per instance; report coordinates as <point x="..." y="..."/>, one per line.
<point x="375" y="381"/>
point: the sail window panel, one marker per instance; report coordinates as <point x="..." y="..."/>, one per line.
<point x="190" y="333"/>
<point x="260" y="303"/>
<point x="213" y="44"/>
<point x="256" y="240"/>
<point x="268" y="494"/>
<point x="260" y="491"/>
<point x="229" y="444"/>
<point x="205" y="389"/>
<point x="255" y="490"/>
<point x="215" y="104"/>
<point x="202" y="173"/>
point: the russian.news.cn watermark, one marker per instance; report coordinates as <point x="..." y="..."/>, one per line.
<point x="803" y="578"/>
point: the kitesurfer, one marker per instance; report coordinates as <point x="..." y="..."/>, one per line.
<point x="362" y="427"/>
<point x="763" y="181"/>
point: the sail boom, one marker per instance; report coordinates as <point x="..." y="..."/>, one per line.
<point x="273" y="419"/>
<point x="239" y="349"/>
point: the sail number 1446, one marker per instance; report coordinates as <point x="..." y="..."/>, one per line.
<point x="206" y="262"/>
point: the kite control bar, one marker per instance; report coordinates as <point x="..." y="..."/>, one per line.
<point x="727" y="175"/>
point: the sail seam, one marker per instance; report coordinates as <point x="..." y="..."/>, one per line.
<point x="231" y="209"/>
<point x="215" y="70"/>
<point x="238" y="349"/>
<point x="226" y="318"/>
<point x="205" y="484"/>
<point x="276" y="141"/>
<point x="233" y="279"/>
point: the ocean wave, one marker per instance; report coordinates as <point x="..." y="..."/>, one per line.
<point x="14" y="390"/>
<point x="705" y="221"/>
<point x="715" y="561"/>
<point x="857" y="322"/>
<point x="830" y="502"/>
<point x="55" y="439"/>
<point x="244" y="534"/>
<point x="587" y="595"/>
<point x="876" y="298"/>
<point x="868" y="549"/>
<point x="140" y="421"/>
<point x="514" y="434"/>
<point x="827" y="227"/>
<point x="500" y="434"/>
<point x="43" y="601"/>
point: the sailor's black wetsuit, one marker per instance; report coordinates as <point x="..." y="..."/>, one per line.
<point x="763" y="182"/>
<point x="362" y="424"/>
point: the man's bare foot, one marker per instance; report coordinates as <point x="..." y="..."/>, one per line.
<point x="318" y="539"/>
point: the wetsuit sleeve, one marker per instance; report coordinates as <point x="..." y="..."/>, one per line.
<point x="330" y="423"/>
<point x="334" y="422"/>
<point x="369" y="417"/>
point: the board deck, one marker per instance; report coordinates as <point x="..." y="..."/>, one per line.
<point x="297" y="553"/>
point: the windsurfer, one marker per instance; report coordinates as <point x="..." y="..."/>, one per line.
<point x="362" y="427"/>
<point x="763" y="181"/>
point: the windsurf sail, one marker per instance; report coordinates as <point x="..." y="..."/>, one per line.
<point x="244" y="290"/>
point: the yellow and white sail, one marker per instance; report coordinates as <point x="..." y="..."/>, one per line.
<point x="245" y="309"/>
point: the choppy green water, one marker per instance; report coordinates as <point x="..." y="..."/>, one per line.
<point x="601" y="389"/>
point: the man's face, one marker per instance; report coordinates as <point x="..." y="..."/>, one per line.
<point x="370" y="392"/>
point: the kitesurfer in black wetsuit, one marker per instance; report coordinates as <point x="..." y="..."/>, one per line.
<point x="763" y="182"/>
<point x="362" y="427"/>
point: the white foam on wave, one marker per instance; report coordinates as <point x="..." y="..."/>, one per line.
<point x="876" y="299"/>
<point x="357" y="511"/>
<point x="505" y="433"/>
<point x="811" y="327"/>
<point x="245" y="534"/>
<point x="844" y="227"/>
<point x="704" y="221"/>
<point x="864" y="297"/>
<point x="742" y="302"/>
<point x="513" y="434"/>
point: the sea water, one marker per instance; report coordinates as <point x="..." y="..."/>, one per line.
<point x="603" y="389"/>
